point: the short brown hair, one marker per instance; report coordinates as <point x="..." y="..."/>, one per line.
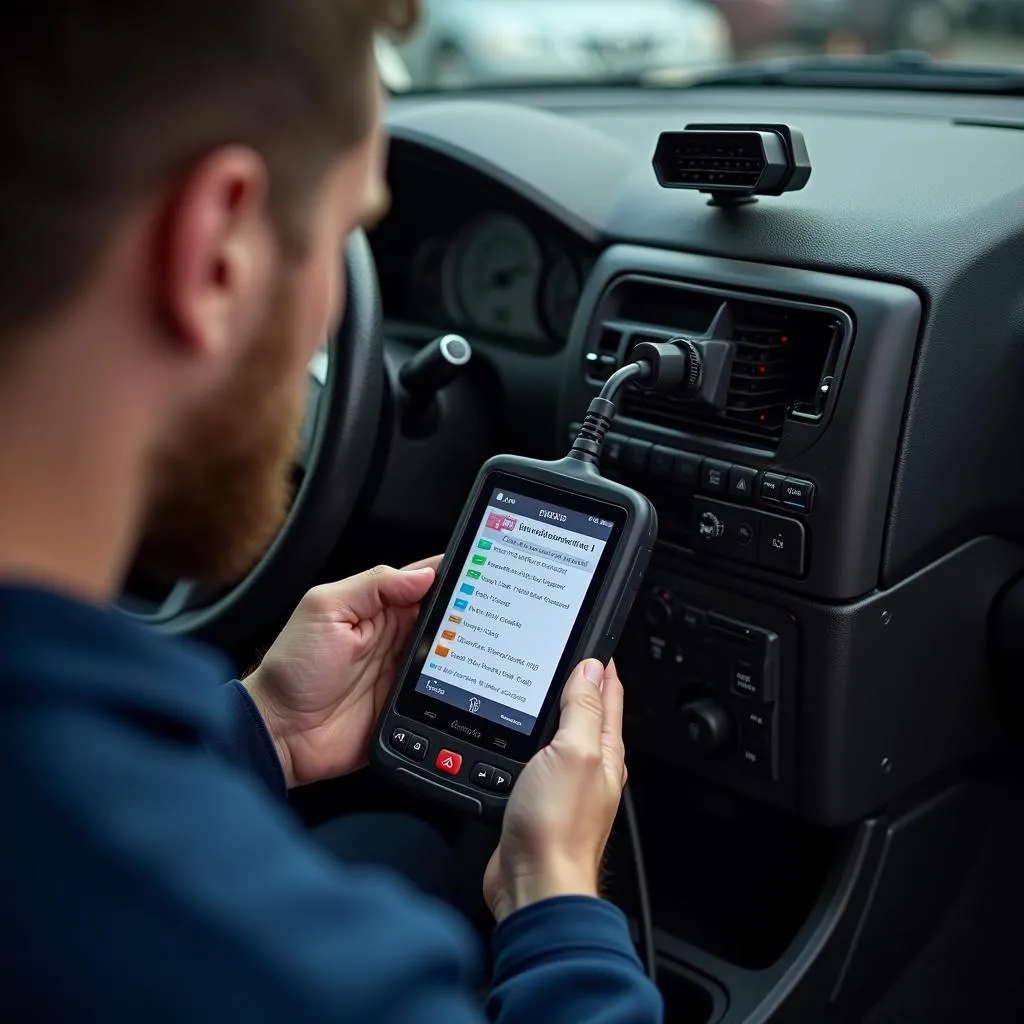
<point x="104" y="100"/>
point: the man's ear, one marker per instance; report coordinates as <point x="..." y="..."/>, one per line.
<point x="218" y="252"/>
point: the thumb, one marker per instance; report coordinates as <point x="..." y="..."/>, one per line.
<point x="582" y="717"/>
<point x="365" y="595"/>
<point x="400" y="588"/>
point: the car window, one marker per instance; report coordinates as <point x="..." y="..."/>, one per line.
<point x="466" y="44"/>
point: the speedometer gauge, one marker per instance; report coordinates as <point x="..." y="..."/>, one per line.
<point x="560" y="297"/>
<point x="498" y="265"/>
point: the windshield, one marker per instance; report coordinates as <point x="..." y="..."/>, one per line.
<point x="466" y="44"/>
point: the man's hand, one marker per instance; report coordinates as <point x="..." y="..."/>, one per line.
<point x="563" y="805"/>
<point x="323" y="683"/>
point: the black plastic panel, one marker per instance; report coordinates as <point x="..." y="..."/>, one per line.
<point x="888" y="883"/>
<point x="941" y="213"/>
<point x="851" y="452"/>
<point x="890" y="691"/>
<point x="665" y="667"/>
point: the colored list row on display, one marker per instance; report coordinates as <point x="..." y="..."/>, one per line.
<point x="442" y="650"/>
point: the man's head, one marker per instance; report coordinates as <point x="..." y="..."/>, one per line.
<point x="177" y="182"/>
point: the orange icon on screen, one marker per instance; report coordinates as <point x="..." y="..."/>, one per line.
<point x="441" y="651"/>
<point x="449" y="634"/>
<point x="457" y="619"/>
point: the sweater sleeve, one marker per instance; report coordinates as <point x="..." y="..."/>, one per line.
<point x="246" y="744"/>
<point x="570" y="960"/>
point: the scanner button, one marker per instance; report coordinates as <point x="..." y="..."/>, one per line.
<point x="449" y="762"/>
<point x="400" y="739"/>
<point x="482" y="775"/>
<point x="416" y="748"/>
<point x="622" y="611"/>
<point x="501" y="781"/>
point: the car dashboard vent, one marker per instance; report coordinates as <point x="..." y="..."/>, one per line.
<point x="785" y="356"/>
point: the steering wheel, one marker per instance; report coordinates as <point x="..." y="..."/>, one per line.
<point x="342" y="420"/>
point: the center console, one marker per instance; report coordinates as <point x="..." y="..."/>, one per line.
<point x="751" y="660"/>
<point x="787" y="702"/>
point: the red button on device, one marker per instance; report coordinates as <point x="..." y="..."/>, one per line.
<point x="448" y="761"/>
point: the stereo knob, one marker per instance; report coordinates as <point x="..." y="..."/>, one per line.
<point x="706" y="725"/>
<point x="710" y="526"/>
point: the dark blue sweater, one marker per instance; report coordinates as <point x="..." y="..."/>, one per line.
<point x="145" y="878"/>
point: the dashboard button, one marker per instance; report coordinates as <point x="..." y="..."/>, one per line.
<point x="782" y="545"/>
<point x="417" y="747"/>
<point x="771" y="488"/>
<point x="448" y="762"/>
<point x="687" y="468"/>
<point x="727" y="530"/>
<point x="635" y="455"/>
<point x="710" y="527"/>
<point x="756" y="755"/>
<point x="714" y="476"/>
<point x="756" y="722"/>
<point x="755" y="747"/>
<point x="798" y="494"/>
<point x="741" y="482"/>
<point x="482" y="774"/>
<point x="614" y="451"/>
<point x="706" y="725"/>
<point x="746" y="679"/>
<point x="656" y="648"/>
<point x="743" y="532"/>
<point x="663" y="462"/>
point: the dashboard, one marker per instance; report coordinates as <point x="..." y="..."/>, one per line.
<point x="877" y="323"/>
<point x="811" y="655"/>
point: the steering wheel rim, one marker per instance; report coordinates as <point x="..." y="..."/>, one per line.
<point x="343" y="414"/>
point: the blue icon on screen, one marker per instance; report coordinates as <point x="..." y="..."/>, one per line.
<point x="466" y="589"/>
<point x="460" y="604"/>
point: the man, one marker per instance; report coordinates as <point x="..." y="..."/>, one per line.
<point x="177" y="181"/>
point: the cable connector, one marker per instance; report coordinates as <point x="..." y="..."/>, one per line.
<point x="601" y="412"/>
<point x="675" y="365"/>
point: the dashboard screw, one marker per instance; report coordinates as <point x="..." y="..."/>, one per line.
<point x="886" y="766"/>
<point x="886" y="618"/>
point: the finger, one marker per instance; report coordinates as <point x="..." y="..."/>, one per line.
<point x="369" y="593"/>
<point x="582" y="716"/>
<point x="433" y="562"/>
<point x="611" y="730"/>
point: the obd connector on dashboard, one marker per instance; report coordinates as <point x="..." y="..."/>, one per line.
<point x="733" y="163"/>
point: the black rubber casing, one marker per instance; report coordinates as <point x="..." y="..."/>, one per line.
<point x="617" y="589"/>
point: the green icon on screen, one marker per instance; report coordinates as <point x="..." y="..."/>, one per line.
<point x="479" y="559"/>
<point x="484" y="544"/>
<point x="473" y="574"/>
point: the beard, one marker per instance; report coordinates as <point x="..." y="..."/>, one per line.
<point x="222" y="486"/>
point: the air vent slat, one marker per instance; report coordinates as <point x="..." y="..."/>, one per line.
<point x="781" y="354"/>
